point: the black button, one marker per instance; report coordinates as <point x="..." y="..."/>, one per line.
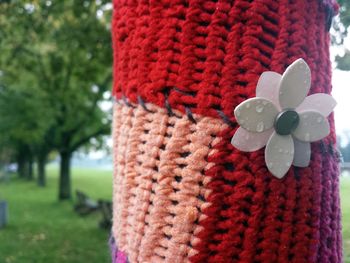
<point x="286" y="122"/>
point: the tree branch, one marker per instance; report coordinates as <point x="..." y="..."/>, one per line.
<point x="86" y="139"/>
<point x="68" y="74"/>
<point x="77" y="127"/>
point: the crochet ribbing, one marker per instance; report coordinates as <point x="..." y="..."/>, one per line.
<point x="182" y="192"/>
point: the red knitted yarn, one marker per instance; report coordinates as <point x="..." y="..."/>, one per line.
<point x="205" y="57"/>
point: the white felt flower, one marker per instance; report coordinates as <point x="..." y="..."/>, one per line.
<point x="283" y="118"/>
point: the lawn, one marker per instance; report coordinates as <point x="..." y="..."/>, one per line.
<point x="42" y="230"/>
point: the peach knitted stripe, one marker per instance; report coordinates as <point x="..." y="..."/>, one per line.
<point x="159" y="184"/>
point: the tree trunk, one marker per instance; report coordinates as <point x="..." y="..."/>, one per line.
<point x="65" y="186"/>
<point x="30" y="168"/>
<point x="23" y="159"/>
<point x="21" y="166"/>
<point x="41" y="170"/>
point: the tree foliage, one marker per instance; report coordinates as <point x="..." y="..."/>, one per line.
<point x="56" y="61"/>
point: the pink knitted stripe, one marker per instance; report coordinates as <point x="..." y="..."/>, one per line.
<point x="159" y="184"/>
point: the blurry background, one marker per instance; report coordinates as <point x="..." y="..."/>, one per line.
<point x="55" y="121"/>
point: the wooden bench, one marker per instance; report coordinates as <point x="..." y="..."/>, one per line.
<point x="85" y="205"/>
<point x="106" y="211"/>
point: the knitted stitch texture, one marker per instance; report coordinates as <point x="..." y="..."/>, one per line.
<point x="159" y="183"/>
<point x="182" y="192"/>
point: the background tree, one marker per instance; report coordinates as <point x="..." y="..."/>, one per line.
<point x="25" y="117"/>
<point x="344" y="148"/>
<point x="65" y="48"/>
<point x="340" y="32"/>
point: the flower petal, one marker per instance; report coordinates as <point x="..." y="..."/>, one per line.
<point x="279" y="154"/>
<point x="313" y="126"/>
<point x="256" y="114"/>
<point x="321" y="102"/>
<point x="294" y="85"/>
<point x="247" y="141"/>
<point x="268" y="85"/>
<point x="302" y="153"/>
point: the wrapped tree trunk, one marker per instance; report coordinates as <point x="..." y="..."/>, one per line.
<point x="182" y="192"/>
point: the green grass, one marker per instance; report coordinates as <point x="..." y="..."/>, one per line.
<point x="345" y="205"/>
<point x="42" y="230"/>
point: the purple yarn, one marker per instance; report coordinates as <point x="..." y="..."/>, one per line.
<point x="330" y="247"/>
<point x="121" y="258"/>
<point x="112" y="248"/>
<point x="117" y="255"/>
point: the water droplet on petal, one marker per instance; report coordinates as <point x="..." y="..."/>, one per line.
<point x="271" y="165"/>
<point x="260" y="127"/>
<point x="259" y="108"/>
<point x="280" y="150"/>
<point x="319" y="119"/>
<point x="247" y="137"/>
<point x="264" y="102"/>
<point x="287" y="163"/>
<point x="247" y="105"/>
<point x="305" y="116"/>
<point x="238" y="113"/>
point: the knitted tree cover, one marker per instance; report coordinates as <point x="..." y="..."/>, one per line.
<point x="182" y="192"/>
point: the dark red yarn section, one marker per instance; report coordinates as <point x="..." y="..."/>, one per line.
<point x="206" y="57"/>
